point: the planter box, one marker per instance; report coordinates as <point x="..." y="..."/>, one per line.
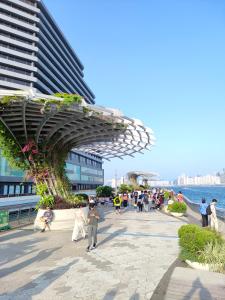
<point x="63" y="219"/>
<point x="165" y="209"/>
<point x="176" y="214"/>
<point x="200" y="266"/>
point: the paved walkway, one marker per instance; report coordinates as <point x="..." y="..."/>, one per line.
<point x="134" y="252"/>
<point x="195" y="285"/>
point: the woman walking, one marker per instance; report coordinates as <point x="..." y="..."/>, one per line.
<point x="79" y="225"/>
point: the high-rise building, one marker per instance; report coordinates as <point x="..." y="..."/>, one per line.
<point x="34" y="53"/>
<point x="198" y="180"/>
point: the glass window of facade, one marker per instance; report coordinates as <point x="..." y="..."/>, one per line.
<point x="17" y="191"/>
<point x="11" y="190"/>
<point x="73" y="172"/>
<point x="5" y="191"/>
<point x="92" y="171"/>
<point x="6" y="170"/>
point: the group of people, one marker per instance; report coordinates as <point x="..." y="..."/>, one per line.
<point x="144" y="200"/>
<point x="90" y="221"/>
<point x="82" y="221"/>
<point x="207" y="210"/>
<point x="141" y="200"/>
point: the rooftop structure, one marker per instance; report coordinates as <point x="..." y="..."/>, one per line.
<point x="134" y="175"/>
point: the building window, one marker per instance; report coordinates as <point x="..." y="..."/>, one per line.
<point x="18" y="7"/>
<point x="17" y="38"/>
<point x="5" y="191"/>
<point x="17" y="191"/>
<point x="7" y="13"/>
<point x="17" y="28"/>
<point x="22" y="82"/>
<point x="13" y="58"/>
<point x="13" y="69"/>
<point x="11" y="190"/>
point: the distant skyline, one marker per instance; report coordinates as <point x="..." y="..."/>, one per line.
<point x="162" y="62"/>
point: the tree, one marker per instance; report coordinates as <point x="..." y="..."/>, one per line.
<point x="125" y="188"/>
<point x="104" y="191"/>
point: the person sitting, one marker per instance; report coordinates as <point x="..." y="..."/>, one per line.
<point x="46" y="219"/>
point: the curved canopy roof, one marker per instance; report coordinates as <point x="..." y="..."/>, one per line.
<point x="145" y="175"/>
<point x="97" y="130"/>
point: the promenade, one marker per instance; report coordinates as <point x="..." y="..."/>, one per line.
<point x="134" y="251"/>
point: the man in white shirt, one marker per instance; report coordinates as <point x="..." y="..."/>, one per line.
<point x="214" y="220"/>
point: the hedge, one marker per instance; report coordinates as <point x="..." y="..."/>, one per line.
<point x="193" y="240"/>
<point x="179" y="207"/>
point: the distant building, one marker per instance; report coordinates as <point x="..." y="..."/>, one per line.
<point x="198" y="180"/>
<point x="222" y="176"/>
<point x="116" y="182"/>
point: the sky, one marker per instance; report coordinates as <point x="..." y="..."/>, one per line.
<point x="162" y="62"/>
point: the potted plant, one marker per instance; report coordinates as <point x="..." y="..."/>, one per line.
<point x="177" y="209"/>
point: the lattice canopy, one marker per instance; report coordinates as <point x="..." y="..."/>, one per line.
<point x="94" y="129"/>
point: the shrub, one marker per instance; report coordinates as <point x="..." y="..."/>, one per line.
<point x="104" y="191"/>
<point x="58" y="202"/>
<point x="77" y="200"/>
<point x="45" y="201"/>
<point x="214" y="254"/>
<point x="186" y="229"/>
<point x="84" y="196"/>
<point x="179" y="207"/>
<point x="167" y="194"/>
<point x="193" y="240"/>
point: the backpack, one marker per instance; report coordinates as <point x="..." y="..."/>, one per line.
<point x="117" y="200"/>
<point x="208" y="210"/>
<point x="146" y="199"/>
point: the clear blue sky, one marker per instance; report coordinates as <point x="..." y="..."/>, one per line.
<point x="162" y="62"/>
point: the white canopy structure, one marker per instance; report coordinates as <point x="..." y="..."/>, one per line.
<point x="133" y="176"/>
<point x="94" y="129"/>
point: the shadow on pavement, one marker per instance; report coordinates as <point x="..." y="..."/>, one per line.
<point x="104" y="228"/>
<point x="14" y="250"/>
<point x="135" y="296"/>
<point x="110" y="294"/>
<point x="15" y="234"/>
<point x="160" y="290"/>
<point x="112" y="236"/>
<point x="204" y="293"/>
<point x="42" y="255"/>
<point x="36" y="286"/>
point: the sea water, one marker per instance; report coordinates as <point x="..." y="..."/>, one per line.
<point x="196" y="193"/>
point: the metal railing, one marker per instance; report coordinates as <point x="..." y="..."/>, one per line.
<point x="20" y="215"/>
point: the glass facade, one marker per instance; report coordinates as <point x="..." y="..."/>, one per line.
<point x="6" y="170"/>
<point x="73" y="172"/>
<point x="84" y="171"/>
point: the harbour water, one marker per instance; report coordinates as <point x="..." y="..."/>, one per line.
<point x="196" y="193"/>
